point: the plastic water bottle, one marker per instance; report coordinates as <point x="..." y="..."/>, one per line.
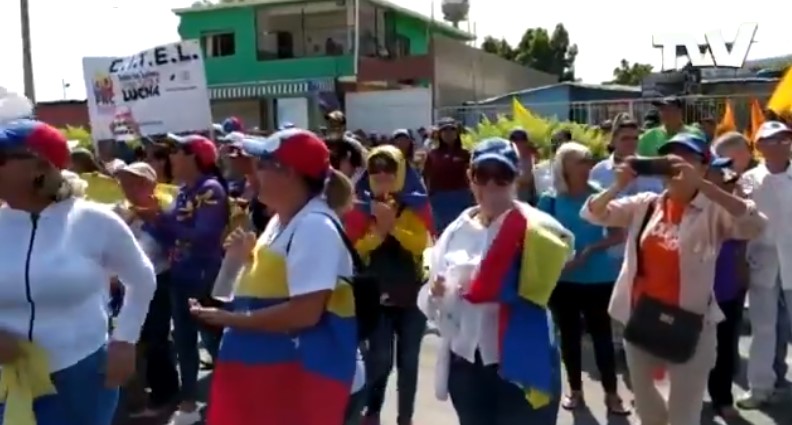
<point x="227" y="277"/>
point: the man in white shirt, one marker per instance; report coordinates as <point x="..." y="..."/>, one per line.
<point x="769" y="185"/>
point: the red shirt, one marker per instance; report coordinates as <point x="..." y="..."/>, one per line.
<point x="446" y="169"/>
<point x="659" y="256"/>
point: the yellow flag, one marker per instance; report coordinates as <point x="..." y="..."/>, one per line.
<point x="102" y="188"/>
<point x="521" y="115"/>
<point x="727" y="122"/>
<point x="781" y="100"/>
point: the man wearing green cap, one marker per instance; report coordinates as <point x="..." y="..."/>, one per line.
<point x="671" y="111"/>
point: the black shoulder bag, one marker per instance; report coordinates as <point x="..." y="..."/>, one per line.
<point x="364" y="287"/>
<point x="661" y="329"/>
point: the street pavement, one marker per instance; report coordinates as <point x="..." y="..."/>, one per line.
<point x="431" y="411"/>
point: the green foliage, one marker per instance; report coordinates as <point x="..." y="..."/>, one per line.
<point x="540" y="130"/>
<point x="540" y="50"/>
<point x="79" y="134"/>
<point x="630" y="74"/>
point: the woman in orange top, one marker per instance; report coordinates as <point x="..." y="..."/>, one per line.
<point x="672" y="246"/>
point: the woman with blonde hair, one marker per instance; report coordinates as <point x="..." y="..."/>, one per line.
<point x="56" y="254"/>
<point x="664" y="293"/>
<point x="289" y="348"/>
<point x="585" y="286"/>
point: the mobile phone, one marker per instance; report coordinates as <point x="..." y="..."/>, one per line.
<point x="651" y="166"/>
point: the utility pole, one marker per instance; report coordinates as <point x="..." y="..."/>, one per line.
<point x="27" y="55"/>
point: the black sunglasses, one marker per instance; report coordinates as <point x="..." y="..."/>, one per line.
<point x="498" y="174"/>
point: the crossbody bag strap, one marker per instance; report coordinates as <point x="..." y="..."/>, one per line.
<point x="650" y="209"/>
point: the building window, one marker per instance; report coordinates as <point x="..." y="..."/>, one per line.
<point x="219" y="45"/>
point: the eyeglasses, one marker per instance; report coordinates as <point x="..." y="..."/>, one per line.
<point x="500" y="175"/>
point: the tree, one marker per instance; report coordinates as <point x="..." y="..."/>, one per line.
<point x="630" y="74"/>
<point x="539" y="50"/>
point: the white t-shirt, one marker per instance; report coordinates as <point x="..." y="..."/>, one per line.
<point x="54" y="277"/>
<point x="315" y="254"/>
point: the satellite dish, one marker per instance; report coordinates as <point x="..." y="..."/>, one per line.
<point x="455" y="11"/>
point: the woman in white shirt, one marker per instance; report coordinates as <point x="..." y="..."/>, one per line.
<point x="499" y="361"/>
<point x="289" y="350"/>
<point x="56" y="255"/>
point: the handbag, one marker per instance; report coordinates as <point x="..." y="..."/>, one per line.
<point x="661" y="329"/>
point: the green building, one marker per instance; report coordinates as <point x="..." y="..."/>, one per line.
<point x="266" y="58"/>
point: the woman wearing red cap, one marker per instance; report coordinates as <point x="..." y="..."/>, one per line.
<point x="56" y="255"/>
<point x="192" y="229"/>
<point x="289" y="349"/>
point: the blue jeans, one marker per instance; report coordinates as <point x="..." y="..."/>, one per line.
<point x="481" y="397"/>
<point x="783" y="331"/>
<point x="185" y="334"/>
<point x="406" y="326"/>
<point x="81" y="399"/>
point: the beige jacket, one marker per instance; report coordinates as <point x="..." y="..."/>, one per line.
<point x="705" y="225"/>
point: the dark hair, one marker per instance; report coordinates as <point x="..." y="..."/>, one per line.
<point x="160" y="153"/>
<point x="86" y="162"/>
<point x="210" y="169"/>
<point x="563" y="135"/>
<point x="346" y="149"/>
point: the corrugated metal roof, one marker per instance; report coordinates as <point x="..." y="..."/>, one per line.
<point x="603" y="87"/>
<point x="440" y="25"/>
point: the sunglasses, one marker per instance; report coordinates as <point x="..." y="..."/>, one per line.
<point x="380" y="165"/>
<point x="499" y="175"/>
<point x="14" y="155"/>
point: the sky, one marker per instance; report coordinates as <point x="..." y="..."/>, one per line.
<point x="63" y="32"/>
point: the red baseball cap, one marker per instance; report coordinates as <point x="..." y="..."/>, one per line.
<point x="38" y="137"/>
<point x="203" y="149"/>
<point x="299" y="149"/>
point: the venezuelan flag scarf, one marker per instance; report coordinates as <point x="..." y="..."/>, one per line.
<point x="410" y="194"/>
<point x="520" y="271"/>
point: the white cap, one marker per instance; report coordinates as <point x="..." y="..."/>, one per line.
<point x="140" y="169"/>
<point x="770" y="129"/>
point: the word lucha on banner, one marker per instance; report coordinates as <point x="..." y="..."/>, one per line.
<point x="715" y="52"/>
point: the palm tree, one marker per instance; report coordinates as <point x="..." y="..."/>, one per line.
<point x="27" y="56"/>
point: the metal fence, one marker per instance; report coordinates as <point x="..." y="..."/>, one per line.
<point x="595" y="112"/>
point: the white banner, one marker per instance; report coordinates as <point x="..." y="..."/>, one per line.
<point x="156" y="91"/>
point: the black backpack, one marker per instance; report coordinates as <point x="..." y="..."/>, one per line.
<point x="365" y="287"/>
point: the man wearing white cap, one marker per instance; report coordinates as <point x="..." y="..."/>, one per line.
<point x="769" y="185"/>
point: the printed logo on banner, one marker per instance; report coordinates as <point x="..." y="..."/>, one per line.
<point x="104" y="91"/>
<point x="156" y="91"/>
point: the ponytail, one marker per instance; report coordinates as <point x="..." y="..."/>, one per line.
<point x="338" y="191"/>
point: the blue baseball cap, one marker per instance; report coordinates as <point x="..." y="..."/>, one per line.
<point x="40" y="138"/>
<point x="498" y="150"/>
<point x="696" y="144"/>
<point x="232" y="124"/>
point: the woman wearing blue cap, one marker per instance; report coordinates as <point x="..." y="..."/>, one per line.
<point x="492" y="272"/>
<point x="664" y="293"/>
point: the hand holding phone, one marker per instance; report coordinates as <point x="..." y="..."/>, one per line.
<point x="654" y="166"/>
